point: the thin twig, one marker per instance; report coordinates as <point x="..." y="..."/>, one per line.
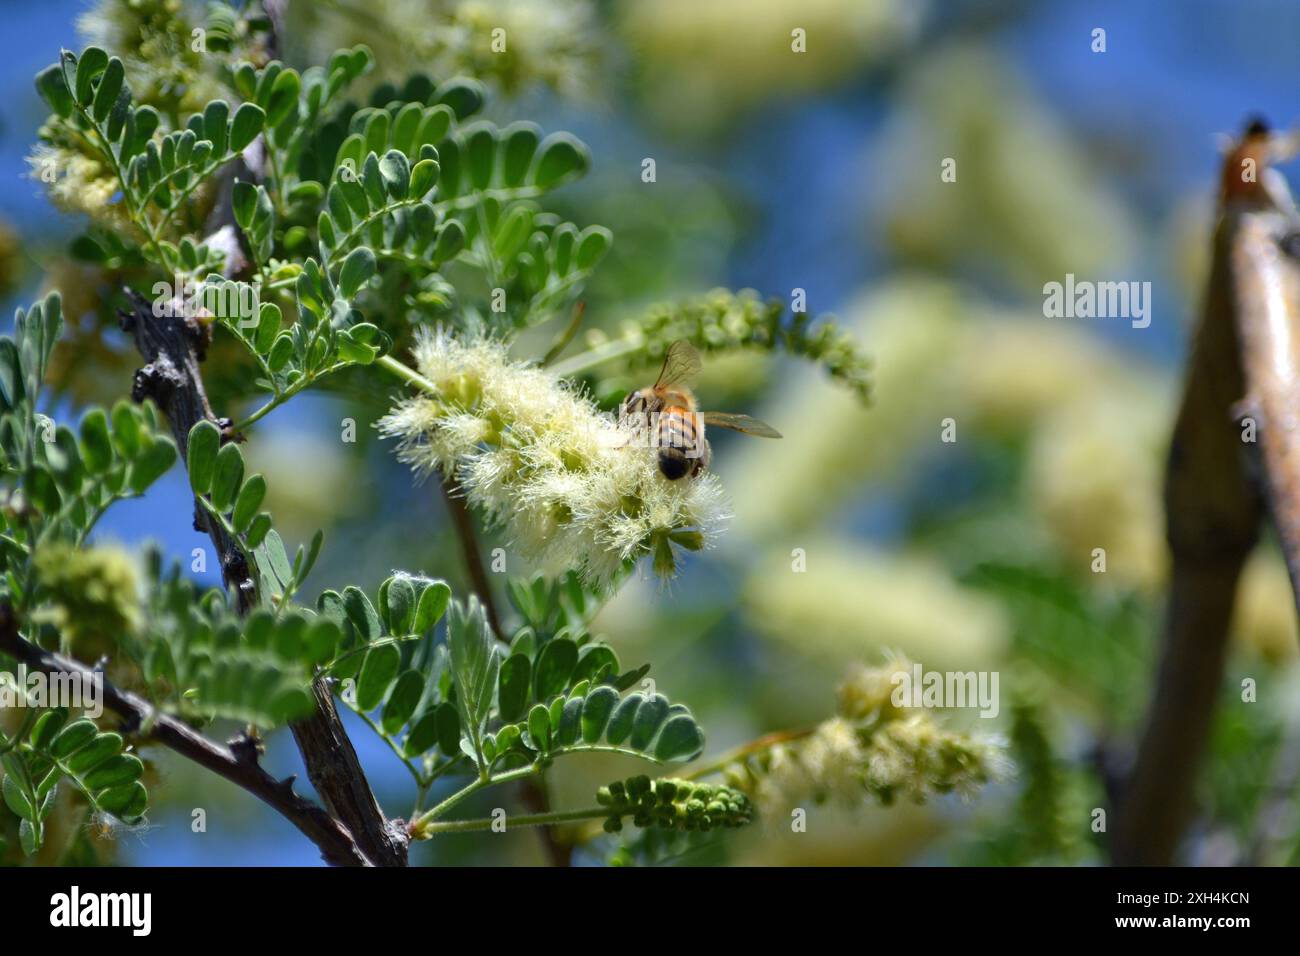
<point x="464" y="524"/>
<point x="532" y="791"/>
<point x="749" y="749"/>
<point x="548" y="819"/>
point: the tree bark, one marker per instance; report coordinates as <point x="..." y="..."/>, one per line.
<point x="336" y="774"/>
<point x="172" y="347"/>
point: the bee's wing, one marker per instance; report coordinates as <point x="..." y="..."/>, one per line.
<point x="681" y="365"/>
<point x="1284" y="146"/>
<point x="740" y="423"/>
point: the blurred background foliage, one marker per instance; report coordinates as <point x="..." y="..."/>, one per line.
<point x="817" y="171"/>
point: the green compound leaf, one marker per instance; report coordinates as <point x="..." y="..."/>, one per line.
<point x="474" y="664"/>
<point x="216" y="664"/>
<point x="597" y="719"/>
<point x="97" y="764"/>
<point x="391" y="649"/>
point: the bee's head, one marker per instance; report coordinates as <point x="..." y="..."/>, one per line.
<point x="636" y="402"/>
<point x="1257" y="126"/>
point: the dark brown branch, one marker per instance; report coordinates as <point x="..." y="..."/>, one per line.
<point x="1243" y="375"/>
<point x="173" y="346"/>
<point x="341" y="782"/>
<point x="1212" y="515"/>
<point x="1268" y="325"/>
<point x="327" y="752"/>
<point x="336" y="844"/>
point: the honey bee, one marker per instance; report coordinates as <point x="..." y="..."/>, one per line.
<point x="667" y="410"/>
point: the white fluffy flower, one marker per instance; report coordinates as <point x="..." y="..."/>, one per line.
<point x="872" y="747"/>
<point x="569" y="485"/>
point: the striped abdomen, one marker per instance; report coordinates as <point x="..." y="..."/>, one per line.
<point x="682" y="448"/>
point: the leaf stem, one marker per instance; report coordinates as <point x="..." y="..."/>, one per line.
<point x="526" y="820"/>
<point x="392" y="744"/>
<point x="363" y="224"/>
<point x="758" y="745"/>
<point x="136" y="213"/>
<point x="407" y="374"/>
<point x="606" y="352"/>
<point x="14" y="542"/>
<point x="418" y="826"/>
<point x="281" y="396"/>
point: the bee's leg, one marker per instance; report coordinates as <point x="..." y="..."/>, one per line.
<point x="702" y="463"/>
<point x="625" y="419"/>
<point x="632" y="416"/>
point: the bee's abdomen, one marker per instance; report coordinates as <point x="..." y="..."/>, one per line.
<point x="673" y="465"/>
<point x="679" y="441"/>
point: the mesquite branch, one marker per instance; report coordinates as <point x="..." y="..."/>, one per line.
<point x="1235" y="450"/>
<point x="173" y="347"/>
<point x="238" y="765"/>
